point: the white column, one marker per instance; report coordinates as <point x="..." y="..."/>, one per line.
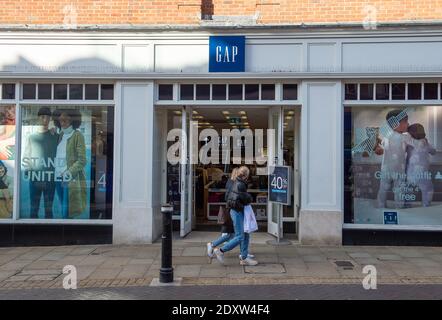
<point x="133" y="206"/>
<point x="321" y="214"/>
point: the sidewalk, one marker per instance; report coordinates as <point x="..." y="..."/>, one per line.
<point x="121" y="266"/>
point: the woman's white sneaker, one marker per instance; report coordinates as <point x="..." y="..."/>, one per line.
<point x="219" y="255"/>
<point x="209" y="250"/>
<point x="248" y="262"/>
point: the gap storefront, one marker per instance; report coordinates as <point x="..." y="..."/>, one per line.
<point x="83" y="147"/>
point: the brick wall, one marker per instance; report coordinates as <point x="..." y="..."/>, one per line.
<point x="190" y="11"/>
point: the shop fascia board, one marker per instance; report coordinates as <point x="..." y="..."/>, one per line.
<point x="255" y="76"/>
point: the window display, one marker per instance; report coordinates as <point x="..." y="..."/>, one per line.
<point x="7" y="158"/>
<point x="66" y="162"/>
<point x="393" y="165"/>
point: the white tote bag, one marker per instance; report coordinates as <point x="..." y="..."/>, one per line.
<point x="250" y="224"/>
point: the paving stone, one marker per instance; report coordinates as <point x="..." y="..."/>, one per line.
<point x="360" y="255"/>
<point x="187" y="271"/>
<point x="105" y="274"/>
<point x="213" y="272"/>
<point x="265" y="268"/>
<point x="189" y="260"/>
<point x="41" y="272"/>
<point x="389" y="257"/>
<point x="141" y="261"/>
<point x="321" y="269"/>
<point x="115" y="262"/>
<point x="421" y="262"/>
<point x="43" y="277"/>
<point x="133" y="271"/>
<point x="194" y="252"/>
<point x="314" y="258"/>
<point x="13" y="265"/>
<point x="18" y="278"/>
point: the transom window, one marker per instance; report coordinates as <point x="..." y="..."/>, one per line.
<point x="66" y="91"/>
<point x="399" y="90"/>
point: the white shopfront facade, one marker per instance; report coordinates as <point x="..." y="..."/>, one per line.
<point x="320" y="62"/>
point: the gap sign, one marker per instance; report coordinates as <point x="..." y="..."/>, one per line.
<point x="226" y="53"/>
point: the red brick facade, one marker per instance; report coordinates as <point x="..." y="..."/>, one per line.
<point x="178" y="12"/>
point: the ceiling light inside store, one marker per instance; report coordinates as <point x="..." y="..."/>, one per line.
<point x="226" y="112"/>
<point x="288" y="117"/>
<point x="244" y="117"/>
<point x="195" y="112"/>
<point x="242" y="112"/>
<point x="291" y="112"/>
<point x="177" y="112"/>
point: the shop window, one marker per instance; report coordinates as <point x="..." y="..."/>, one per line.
<point x="186" y="92"/>
<point x="252" y="91"/>
<point x="351" y="91"/>
<point x="29" y="91"/>
<point x="289" y="91"/>
<point x="60" y="91"/>
<point x="76" y="92"/>
<point x="219" y="92"/>
<point x="414" y="91"/>
<point x="398" y="91"/>
<point x="8" y="91"/>
<point x="267" y="92"/>
<point x="382" y="91"/>
<point x="66" y="162"/>
<point x="203" y="92"/>
<point x="107" y="92"/>
<point x="366" y="91"/>
<point x="430" y="91"/>
<point x="235" y="91"/>
<point x="384" y="182"/>
<point x="91" y="91"/>
<point x="44" y="91"/>
<point x="165" y="92"/>
<point x="7" y="160"/>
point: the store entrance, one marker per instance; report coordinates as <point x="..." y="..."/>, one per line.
<point x="207" y="155"/>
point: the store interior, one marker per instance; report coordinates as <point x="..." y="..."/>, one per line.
<point x="209" y="180"/>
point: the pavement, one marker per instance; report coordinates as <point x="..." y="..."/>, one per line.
<point x="121" y="267"/>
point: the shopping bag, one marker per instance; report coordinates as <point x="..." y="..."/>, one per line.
<point x="221" y="218"/>
<point x="250" y="224"/>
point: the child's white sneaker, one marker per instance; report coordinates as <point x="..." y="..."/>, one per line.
<point x="219" y="255"/>
<point x="248" y="262"/>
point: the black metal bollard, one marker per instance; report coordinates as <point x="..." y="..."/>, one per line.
<point x="166" y="271"/>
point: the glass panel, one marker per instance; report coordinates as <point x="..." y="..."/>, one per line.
<point x="267" y="92"/>
<point x="398" y="91"/>
<point x="392" y="177"/>
<point x="75" y="92"/>
<point x="186" y="92"/>
<point x="8" y="91"/>
<point x="351" y="91"/>
<point x="252" y="91"/>
<point x="414" y="91"/>
<point x="29" y="90"/>
<point x="289" y="91"/>
<point x="60" y="91"/>
<point x="219" y="92"/>
<point x="430" y="91"/>
<point x="203" y="92"/>
<point x="366" y="91"/>
<point x="173" y="170"/>
<point x="66" y="163"/>
<point x="165" y="92"/>
<point x="44" y="91"/>
<point x="289" y="155"/>
<point x="91" y="91"/>
<point x="107" y="92"/>
<point x="382" y="91"/>
<point x="235" y="91"/>
<point x="7" y="160"/>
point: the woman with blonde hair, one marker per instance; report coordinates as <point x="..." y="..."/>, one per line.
<point x="237" y="198"/>
<point x="227" y="231"/>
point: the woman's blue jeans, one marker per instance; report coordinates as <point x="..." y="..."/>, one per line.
<point x="224" y="238"/>
<point x="241" y="238"/>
